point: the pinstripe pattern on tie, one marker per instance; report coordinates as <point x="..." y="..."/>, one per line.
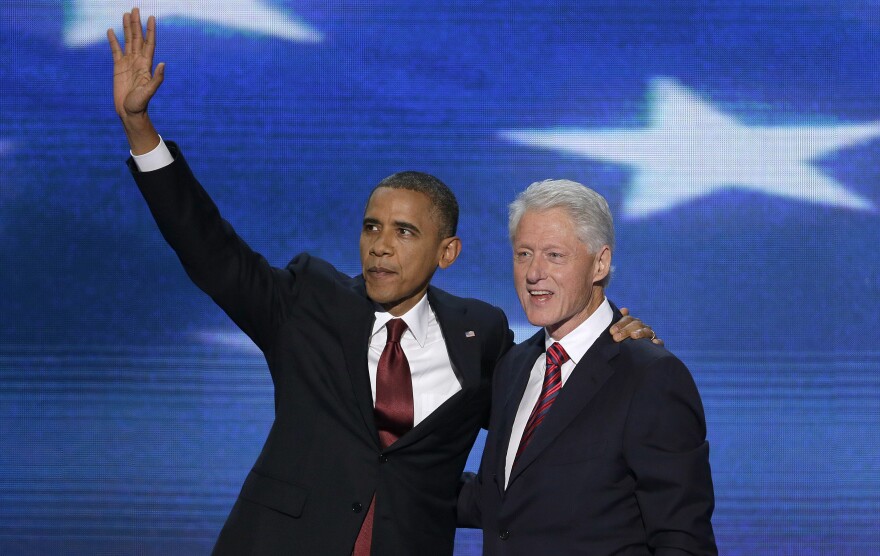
<point x="556" y="356"/>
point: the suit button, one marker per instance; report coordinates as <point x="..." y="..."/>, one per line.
<point x="504" y="535"/>
<point x="383" y="458"/>
<point x="357" y="507"/>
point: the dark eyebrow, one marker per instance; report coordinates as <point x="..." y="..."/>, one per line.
<point x="407" y="226"/>
<point x="397" y="224"/>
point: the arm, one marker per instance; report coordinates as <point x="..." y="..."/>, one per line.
<point x="218" y="261"/>
<point x="665" y="446"/>
<point x="469" y="514"/>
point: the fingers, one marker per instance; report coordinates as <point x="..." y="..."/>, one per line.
<point x="114" y="45"/>
<point x="617" y="328"/>
<point x="150" y="41"/>
<point x="137" y="32"/>
<point x="133" y="32"/>
<point x="126" y="31"/>
<point x="624" y="328"/>
<point x="647" y="332"/>
<point x="135" y="43"/>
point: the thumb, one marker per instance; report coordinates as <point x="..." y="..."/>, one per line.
<point x="157" y="78"/>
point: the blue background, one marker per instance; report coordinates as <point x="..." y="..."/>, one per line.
<point x="131" y="409"/>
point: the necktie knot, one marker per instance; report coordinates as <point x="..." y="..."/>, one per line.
<point x="556" y="355"/>
<point x="396" y="328"/>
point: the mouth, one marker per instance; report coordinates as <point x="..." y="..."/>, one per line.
<point x="540" y="295"/>
<point x="380" y="272"/>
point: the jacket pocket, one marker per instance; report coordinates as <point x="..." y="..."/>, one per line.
<point x="281" y="496"/>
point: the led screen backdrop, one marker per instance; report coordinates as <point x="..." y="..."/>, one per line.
<point x="737" y="143"/>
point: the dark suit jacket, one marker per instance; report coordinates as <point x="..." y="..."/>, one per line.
<point x="310" y="488"/>
<point x="620" y="464"/>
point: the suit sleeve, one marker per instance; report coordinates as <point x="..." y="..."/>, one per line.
<point x="491" y="360"/>
<point x="217" y="260"/>
<point x="470" y="493"/>
<point x="665" y="446"/>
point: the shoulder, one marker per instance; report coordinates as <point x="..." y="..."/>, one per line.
<point x="529" y="349"/>
<point x="645" y="353"/>
<point x="316" y="272"/>
<point x="655" y="371"/>
<point x="474" y="308"/>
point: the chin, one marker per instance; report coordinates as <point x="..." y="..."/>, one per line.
<point x="538" y="321"/>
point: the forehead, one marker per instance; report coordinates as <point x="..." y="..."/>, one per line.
<point x="547" y="225"/>
<point x="387" y="202"/>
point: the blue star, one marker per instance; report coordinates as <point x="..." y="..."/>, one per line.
<point x="691" y="150"/>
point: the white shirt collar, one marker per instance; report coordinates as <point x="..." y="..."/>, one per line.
<point x="578" y="341"/>
<point x="416" y="320"/>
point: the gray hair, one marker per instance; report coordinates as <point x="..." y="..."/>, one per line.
<point x="587" y="209"/>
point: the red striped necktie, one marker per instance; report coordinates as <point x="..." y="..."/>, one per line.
<point x="556" y="356"/>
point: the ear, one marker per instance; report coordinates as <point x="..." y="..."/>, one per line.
<point x="602" y="265"/>
<point x="449" y="251"/>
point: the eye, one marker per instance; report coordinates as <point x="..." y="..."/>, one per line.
<point x="405" y="232"/>
<point x="370" y="227"/>
<point x="521" y="255"/>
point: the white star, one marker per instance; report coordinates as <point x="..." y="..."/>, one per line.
<point x="86" y="21"/>
<point x="690" y="150"/>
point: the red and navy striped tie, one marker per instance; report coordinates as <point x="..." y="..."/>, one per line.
<point x="556" y="356"/>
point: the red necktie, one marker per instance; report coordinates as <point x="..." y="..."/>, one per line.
<point x="393" y="411"/>
<point x="556" y="356"/>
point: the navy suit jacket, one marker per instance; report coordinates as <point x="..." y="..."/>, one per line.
<point x="322" y="463"/>
<point x="620" y="464"/>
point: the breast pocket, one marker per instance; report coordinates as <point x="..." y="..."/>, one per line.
<point x="278" y="495"/>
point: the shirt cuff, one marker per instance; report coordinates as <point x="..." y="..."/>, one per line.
<point x="157" y="158"/>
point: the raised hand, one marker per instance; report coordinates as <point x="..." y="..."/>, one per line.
<point x="134" y="81"/>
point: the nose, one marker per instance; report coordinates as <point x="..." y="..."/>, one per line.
<point x="381" y="245"/>
<point x="536" y="270"/>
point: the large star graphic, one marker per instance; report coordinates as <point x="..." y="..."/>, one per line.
<point x="691" y="150"/>
<point x="86" y="21"/>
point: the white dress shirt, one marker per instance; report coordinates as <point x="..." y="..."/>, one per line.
<point x="433" y="379"/>
<point x="575" y="343"/>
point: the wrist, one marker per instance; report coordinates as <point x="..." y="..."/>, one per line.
<point x="142" y="136"/>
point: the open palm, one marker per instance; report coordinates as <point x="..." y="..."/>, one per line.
<point x="134" y="82"/>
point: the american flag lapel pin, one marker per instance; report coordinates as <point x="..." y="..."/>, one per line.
<point x="469" y="334"/>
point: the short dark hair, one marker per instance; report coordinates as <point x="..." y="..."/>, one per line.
<point x="443" y="201"/>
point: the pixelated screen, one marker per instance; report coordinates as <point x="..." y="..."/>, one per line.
<point x="737" y="143"/>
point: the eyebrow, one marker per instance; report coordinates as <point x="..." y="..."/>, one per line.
<point x="407" y="226"/>
<point x="397" y="224"/>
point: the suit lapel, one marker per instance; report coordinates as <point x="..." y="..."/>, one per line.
<point x="355" y="324"/>
<point x="464" y="351"/>
<point x="585" y="381"/>
<point x="523" y="363"/>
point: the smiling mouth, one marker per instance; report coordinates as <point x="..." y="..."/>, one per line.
<point x="540" y="294"/>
